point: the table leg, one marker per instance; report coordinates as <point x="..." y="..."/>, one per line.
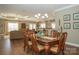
<point x="47" y="49"/>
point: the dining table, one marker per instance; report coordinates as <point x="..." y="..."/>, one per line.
<point x="47" y="42"/>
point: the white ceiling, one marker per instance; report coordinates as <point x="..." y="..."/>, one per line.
<point x="30" y="9"/>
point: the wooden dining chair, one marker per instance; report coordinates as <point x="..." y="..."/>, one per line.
<point x="54" y="33"/>
<point x="36" y="47"/>
<point x="59" y="48"/>
<point x="65" y="37"/>
<point x="27" y="43"/>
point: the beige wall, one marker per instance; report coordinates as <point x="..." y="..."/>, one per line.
<point x="2" y="26"/>
<point x="73" y="34"/>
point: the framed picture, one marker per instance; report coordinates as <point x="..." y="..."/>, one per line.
<point x="67" y="25"/>
<point x="76" y="25"/>
<point x="66" y="17"/>
<point x="76" y="16"/>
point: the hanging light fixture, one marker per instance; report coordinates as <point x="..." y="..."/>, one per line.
<point x="41" y="16"/>
<point x="46" y="15"/>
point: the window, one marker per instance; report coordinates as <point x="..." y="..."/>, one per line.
<point x="12" y="26"/>
<point x="42" y="25"/>
<point x="32" y="26"/>
<point x="53" y="25"/>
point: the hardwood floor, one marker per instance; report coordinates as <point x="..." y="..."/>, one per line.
<point x="5" y="46"/>
<point x="15" y="47"/>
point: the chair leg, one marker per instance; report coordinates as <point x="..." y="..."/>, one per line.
<point x="35" y="53"/>
<point x="63" y="52"/>
<point x="24" y="47"/>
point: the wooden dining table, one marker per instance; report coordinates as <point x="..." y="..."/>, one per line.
<point x="48" y="42"/>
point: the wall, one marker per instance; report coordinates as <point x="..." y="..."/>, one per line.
<point x="73" y="34"/>
<point x="2" y="26"/>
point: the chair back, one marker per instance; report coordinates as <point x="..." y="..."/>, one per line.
<point x="34" y="42"/>
<point x="62" y="40"/>
<point x="26" y="39"/>
<point x="54" y="33"/>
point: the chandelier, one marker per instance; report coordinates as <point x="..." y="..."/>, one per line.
<point x="41" y="16"/>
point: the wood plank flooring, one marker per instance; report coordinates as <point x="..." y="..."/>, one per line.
<point x="15" y="47"/>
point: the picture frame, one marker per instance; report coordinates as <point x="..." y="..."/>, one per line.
<point x="76" y="16"/>
<point x="67" y="25"/>
<point x="76" y="25"/>
<point x="67" y="17"/>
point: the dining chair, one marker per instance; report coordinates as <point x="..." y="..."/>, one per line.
<point x="59" y="48"/>
<point x="54" y="33"/>
<point x="36" y="47"/>
<point x="65" y="37"/>
<point x="27" y="43"/>
<point x="45" y="32"/>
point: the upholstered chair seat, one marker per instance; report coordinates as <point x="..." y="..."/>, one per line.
<point x="29" y="42"/>
<point x="40" y="47"/>
<point x="54" y="49"/>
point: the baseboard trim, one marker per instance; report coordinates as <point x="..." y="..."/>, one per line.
<point x="72" y="44"/>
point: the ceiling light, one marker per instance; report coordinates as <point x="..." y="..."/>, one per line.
<point x="46" y="15"/>
<point x="36" y="15"/>
<point x="16" y="18"/>
<point x="39" y="14"/>
<point x="42" y="17"/>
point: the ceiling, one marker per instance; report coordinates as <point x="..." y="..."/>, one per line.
<point x="31" y="9"/>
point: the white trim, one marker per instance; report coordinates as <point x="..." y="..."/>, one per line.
<point x="72" y="44"/>
<point x="66" y="7"/>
